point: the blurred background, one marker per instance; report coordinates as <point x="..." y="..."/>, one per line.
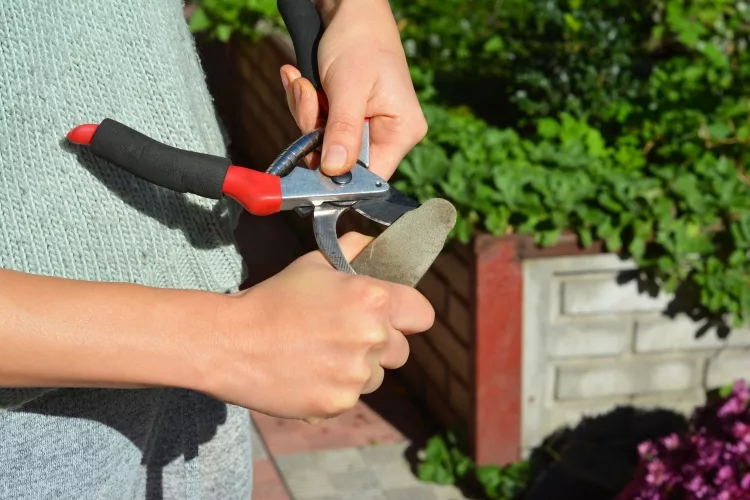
<point x="591" y="337"/>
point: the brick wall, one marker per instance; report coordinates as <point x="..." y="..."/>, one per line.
<point x="261" y="123"/>
<point x="440" y="367"/>
<point x="591" y="343"/>
<point x="524" y="341"/>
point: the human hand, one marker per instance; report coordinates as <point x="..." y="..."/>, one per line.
<point x="364" y="74"/>
<point x="308" y="342"/>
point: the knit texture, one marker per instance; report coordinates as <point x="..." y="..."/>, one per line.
<point x="64" y="213"/>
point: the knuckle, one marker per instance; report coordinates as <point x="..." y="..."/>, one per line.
<point x="360" y="375"/>
<point x="338" y="402"/>
<point x="375" y="296"/>
<point x="419" y="128"/>
<point x="341" y="124"/>
<point x="375" y="337"/>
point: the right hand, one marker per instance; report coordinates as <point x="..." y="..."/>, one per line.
<point x="308" y="342"/>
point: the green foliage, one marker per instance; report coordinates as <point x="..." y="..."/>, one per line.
<point x="446" y="463"/>
<point x="624" y="121"/>
<point x="252" y="19"/>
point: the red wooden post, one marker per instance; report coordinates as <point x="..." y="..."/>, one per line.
<point x="498" y="344"/>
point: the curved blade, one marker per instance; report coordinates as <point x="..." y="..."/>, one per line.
<point x="388" y="210"/>
<point x="325" y="218"/>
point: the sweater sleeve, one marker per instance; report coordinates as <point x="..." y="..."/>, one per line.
<point x="12" y="398"/>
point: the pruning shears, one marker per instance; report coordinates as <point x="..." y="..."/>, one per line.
<point x="285" y="185"/>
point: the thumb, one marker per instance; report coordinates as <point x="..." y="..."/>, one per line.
<point x="343" y="134"/>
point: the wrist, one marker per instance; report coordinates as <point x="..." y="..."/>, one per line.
<point x="186" y="356"/>
<point x="329" y="9"/>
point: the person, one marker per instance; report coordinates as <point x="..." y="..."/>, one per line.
<point x="128" y="355"/>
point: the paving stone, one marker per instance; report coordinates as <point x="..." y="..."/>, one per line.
<point x="340" y="461"/>
<point x="447" y="493"/>
<point x="385" y="454"/>
<point x="307" y="484"/>
<point x="356" y="483"/>
<point x="413" y="493"/>
<point x="299" y="461"/>
<point x="396" y="475"/>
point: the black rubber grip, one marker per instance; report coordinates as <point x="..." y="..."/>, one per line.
<point x="176" y="169"/>
<point x="305" y="28"/>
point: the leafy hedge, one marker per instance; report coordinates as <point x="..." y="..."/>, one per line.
<point x="626" y="121"/>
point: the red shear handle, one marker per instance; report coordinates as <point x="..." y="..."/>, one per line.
<point x="180" y="170"/>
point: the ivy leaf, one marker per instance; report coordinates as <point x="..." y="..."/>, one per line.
<point x="548" y="128"/>
<point x="223" y="32"/>
<point x="719" y="130"/>
<point x="726" y="390"/>
<point x="586" y="237"/>
<point x="637" y="247"/>
<point x="494" y="44"/>
<point x="571" y="22"/>
<point x="199" y="21"/>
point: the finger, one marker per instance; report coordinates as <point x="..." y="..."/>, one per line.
<point x="288" y="75"/>
<point x="396" y="351"/>
<point x="409" y="310"/>
<point x="351" y="245"/>
<point x="307" y="112"/>
<point x="347" y="101"/>
<point x="306" y="103"/>
<point x="376" y="379"/>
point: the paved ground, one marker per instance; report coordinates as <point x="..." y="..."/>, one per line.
<point x="365" y="454"/>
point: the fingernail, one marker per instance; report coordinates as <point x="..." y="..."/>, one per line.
<point x="334" y="157"/>
<point x="284" y="79"/>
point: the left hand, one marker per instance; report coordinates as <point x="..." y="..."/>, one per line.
<point x="364" y="73"/>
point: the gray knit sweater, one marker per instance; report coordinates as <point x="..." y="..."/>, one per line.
<point x="64" y="213"/>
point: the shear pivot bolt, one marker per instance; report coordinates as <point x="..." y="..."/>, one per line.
<point x="342" y="179"/>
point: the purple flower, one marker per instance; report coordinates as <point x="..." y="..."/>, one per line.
<point x="733" y="406"/>
<point x="646" y="449"/>
<point x="711" y="461"/>
<point x="724" y="475"/>
<point x="671" y="442"/>
<point x="656" y="473"/>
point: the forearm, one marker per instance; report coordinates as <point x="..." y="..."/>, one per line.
<point x="64" y="333"/>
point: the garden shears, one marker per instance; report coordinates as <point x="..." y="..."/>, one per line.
<point x="284" y="185"/>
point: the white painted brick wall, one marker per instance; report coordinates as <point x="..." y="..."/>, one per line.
<point x="597" y="338"/>
<point x="664" y="334"/>
<point x="600" y="293"/>
<point x="627" y="377"/>
<point x="727" y="366"/>
<point x="591" y="344"/>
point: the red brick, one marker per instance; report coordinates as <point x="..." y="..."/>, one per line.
<point x="460" y="399"/>
<point x="456" y="355"/>
<point x="430" y="361"/>
<point x="437" y="402"/>
<point x="435" y="291"/>
<point x="267" y="484"/>
<point x="360" y="426"/>
<point x="459" y="319"/>
<point x="454" y="272"/>
<point x="463" y="252"/>
<point x="412" y="375"/>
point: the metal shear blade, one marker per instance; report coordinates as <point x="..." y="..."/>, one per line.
<point x="327" y="198"/>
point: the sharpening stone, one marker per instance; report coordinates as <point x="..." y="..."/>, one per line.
<point x="407" y="248"/>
